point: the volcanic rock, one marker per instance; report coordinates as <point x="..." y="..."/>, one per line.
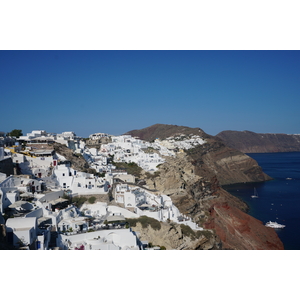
<point x="251" y="142"/>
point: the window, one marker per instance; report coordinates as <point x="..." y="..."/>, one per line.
<point x="63" y="174"/>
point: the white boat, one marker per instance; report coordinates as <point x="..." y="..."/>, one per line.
<point x="274" y="225"/>
<point x="255" y="195"/>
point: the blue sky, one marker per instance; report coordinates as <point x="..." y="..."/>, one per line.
<point x="117" y="91"/>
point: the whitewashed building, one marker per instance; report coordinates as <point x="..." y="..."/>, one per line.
<point x="79" y="182"/>
<point x="118" y="239"/>
<point x="22" y="231"/>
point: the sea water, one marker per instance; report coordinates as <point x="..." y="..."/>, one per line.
<point x="279" y="199"/>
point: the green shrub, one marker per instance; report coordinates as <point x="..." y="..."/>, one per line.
<point x="188" y="231"/>
<point x="92" y="200"/>
<point x="152" y="176"/>
<point x="208" y="234"/>
<point x="131" y="168"/>
<point x="79" y="200"/>
<point x="145" y="221"/>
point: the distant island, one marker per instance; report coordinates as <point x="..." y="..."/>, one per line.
<point x="251" y="142"/>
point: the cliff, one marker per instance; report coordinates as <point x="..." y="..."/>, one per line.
<point x="193" y="180"/>
<point x="213" y="158"/>
<point x="203" y="199"/>
<point x="179" y="237"/>
<point x="228" y="165"/>
<point x="240" y="231"/>
<point x="251" y="142"/>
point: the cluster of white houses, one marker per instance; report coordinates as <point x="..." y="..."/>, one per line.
<point x="39" y="215"/>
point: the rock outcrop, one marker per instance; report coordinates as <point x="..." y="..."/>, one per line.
<point x="251" y="142"/>
<point x="178" y="237"/>
<point x="193" y="180"/>
<point x="240" y="231"/>
<point x="77" y="161"/>
<point x="228" y="165"/>
<point x="210" y="206"/>
<point x="212" y="158"/>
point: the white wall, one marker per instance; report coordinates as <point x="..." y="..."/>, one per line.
<point x="121" y="237"/>
<point x="52" y="196"/>
<point x="35" y="213"/>
<point x="119" y="210"/>
<point x="99" y="208"/>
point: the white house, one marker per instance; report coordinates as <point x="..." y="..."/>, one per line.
<point x="79" y="182"/>
<point x="22" y="232"/>
<point x="95" y="210"/>
<point x="98" y="136"/>
<point x="37" y="166"/>
<point x="118" y="239"/>
<point x="144" y="203"/>
<point x="33" y="134"/>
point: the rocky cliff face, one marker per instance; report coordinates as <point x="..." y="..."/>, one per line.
<point x="77" y="161"/>
<point x="211" y="207"/>
<point x="174" y="236"/>
<point x="240" y="231"/>
<point x="201" y="197"/>
<point x="251" y="142"/>
<point x="212" y="158"/>
<point x="227" y="164"/>
<point x="193" y="180"/>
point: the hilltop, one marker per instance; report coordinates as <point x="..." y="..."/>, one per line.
<point x="163" y="131"/>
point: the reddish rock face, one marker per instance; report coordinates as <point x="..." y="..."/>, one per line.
<point x="237" y="230"/>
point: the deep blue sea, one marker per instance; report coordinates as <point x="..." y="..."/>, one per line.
<point x="279" y="199"/>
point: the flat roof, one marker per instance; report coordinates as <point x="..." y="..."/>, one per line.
<point x="57" y="201"/>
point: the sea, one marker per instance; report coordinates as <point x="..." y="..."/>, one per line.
<point x="279" y="199"/>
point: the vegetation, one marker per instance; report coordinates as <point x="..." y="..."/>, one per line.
<point x="152" y="176"/>
<point x="188" y="231"/>
<point x="208" y="234"/>
<point x="131" y="168"/>
<point x="92" y="200"/>
<point x="15" y="133"/>
<point x="79" y="200"/>
<point x="145" y="222"/>
<point x="149" y="150"/>
<point x="150" y="245"/>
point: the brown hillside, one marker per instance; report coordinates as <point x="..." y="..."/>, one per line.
<point x="162" y="131"/>
<point x="251" y="142"/>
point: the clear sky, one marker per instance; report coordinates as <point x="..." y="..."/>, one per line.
<point x="117" y="91"/>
